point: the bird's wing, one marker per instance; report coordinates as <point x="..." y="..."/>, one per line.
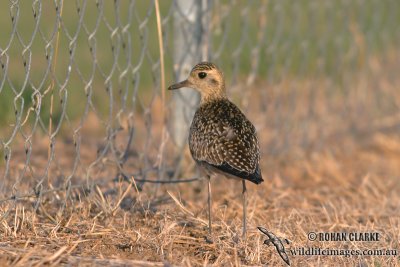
<point x="238" y="148"/>
<point x="229" y="143"/>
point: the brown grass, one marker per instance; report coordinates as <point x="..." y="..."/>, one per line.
<point x="331" y="163"/>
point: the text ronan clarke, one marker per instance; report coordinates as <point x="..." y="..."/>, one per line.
<point x="352" y="236"/>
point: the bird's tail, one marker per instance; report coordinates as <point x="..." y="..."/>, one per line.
<point x="256" y="177"/>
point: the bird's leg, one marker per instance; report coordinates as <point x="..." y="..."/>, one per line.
<point x="209" y="205"/>
<point x="244" y="208"/>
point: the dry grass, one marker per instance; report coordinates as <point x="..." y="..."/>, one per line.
<point x="322" y="192"/>
<point x="331" y="164"/>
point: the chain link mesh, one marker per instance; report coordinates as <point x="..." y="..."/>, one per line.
<point x="80" y="97"/>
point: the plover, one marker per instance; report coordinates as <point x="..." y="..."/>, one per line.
<point x="222" y="140"/>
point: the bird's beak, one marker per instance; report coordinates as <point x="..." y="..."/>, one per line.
<point x="181" y="84"/>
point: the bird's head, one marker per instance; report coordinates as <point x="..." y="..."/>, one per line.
<point x="206" y="78"/>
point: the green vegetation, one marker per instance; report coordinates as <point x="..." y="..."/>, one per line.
<point x="309" y="37"/>
<point x="302" y="38"/>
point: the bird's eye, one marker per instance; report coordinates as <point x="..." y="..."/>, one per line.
<point x="202" y="75"/>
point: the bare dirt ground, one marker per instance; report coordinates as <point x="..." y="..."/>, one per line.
<point x="331" y="164"/>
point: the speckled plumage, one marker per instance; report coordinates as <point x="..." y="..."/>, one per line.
<point x="223" y="140"/>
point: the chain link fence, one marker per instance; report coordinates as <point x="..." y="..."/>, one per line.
<point x="82" y="100"/>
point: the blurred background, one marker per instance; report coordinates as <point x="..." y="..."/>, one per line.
<point x="82" y="85"/>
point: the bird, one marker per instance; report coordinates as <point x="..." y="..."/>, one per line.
<point x="222" y="141"/>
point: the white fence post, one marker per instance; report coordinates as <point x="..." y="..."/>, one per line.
<point x="190" y="47"/>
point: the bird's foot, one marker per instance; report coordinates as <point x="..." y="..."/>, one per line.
<point x="209" y="239"/>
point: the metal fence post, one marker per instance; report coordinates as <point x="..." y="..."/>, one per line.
<point x="190" y="47"/>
